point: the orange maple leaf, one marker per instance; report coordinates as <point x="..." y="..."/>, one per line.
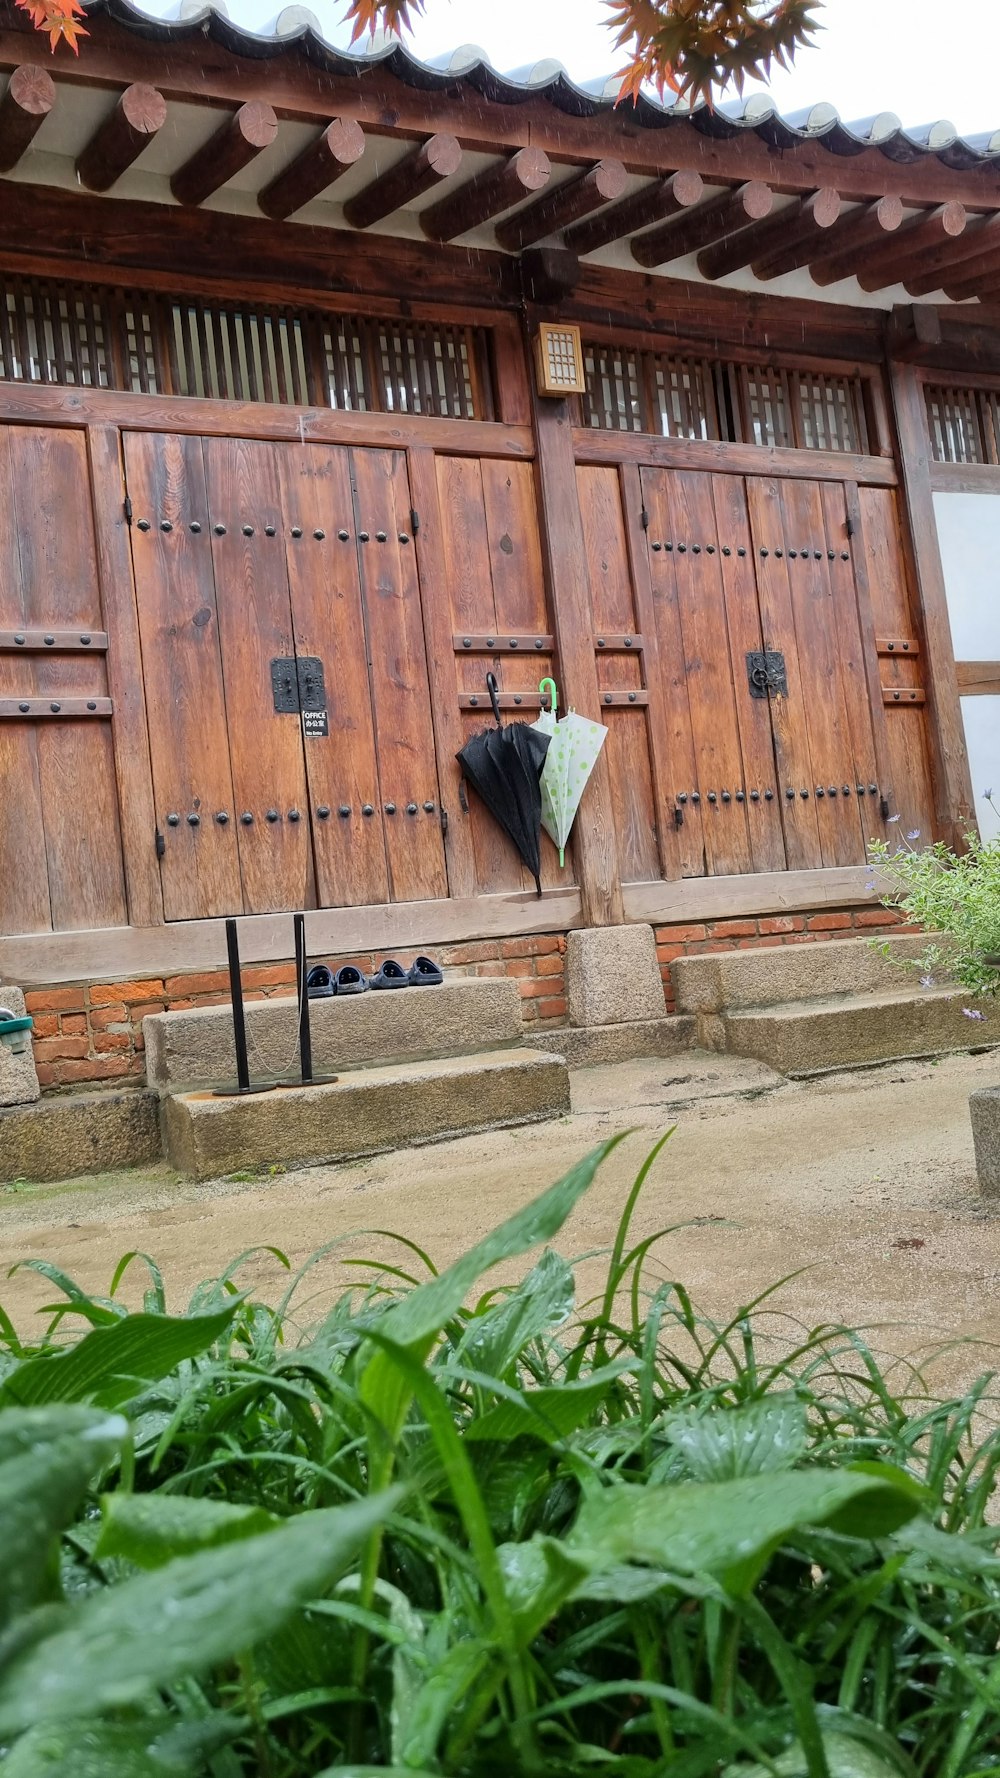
<point x="393" y="16"/>
<point x="60" y="18"/>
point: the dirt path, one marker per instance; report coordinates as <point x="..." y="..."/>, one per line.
<point x="865" y="1179"/>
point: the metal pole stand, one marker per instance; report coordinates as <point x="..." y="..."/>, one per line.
<point x="242" y="1087"/>
<point x="307" y="1077"/>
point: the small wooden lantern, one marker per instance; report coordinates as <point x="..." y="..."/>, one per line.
<point x="559" y="359"/>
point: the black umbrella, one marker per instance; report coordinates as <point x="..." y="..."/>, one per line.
<point x="504" y="764"/>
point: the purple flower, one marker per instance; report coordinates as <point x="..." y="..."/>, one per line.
<point x="914" y="834"/>
<point x="988" y="794"/>
<point x="970" y="1012"/>
<point x="891" y="819"/>
<point x="927" y="981"/>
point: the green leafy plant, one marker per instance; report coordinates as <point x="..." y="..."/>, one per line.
<point x="955" y="896"/>
<point x="465" y="1529"/>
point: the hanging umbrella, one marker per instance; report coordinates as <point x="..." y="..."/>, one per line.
<point x="572" y="756"/>
<point x="503" y="764"/>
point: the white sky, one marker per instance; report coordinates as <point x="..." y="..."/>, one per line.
<point x="923" y="59"/>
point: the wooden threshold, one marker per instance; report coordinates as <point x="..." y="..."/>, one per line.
<point x="151" y="952"/>
<point x="965" y="478"/>
<point x="716" y="457"/>
<point x="32" y="404"/>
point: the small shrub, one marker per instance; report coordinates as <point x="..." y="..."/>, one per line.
<point x="951" y="894"/>
<point x="483" y="1531"/>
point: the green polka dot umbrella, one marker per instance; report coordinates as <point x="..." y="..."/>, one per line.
<point x="574" y="745"/>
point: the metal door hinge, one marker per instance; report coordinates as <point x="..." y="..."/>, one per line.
<point x="161" y="844"/>
<point x="644" y="519"/>
<point x="444" y="821"/>
<point x="850" y="527"/>
<point x="127" y="504"/>
<point x="414" y="520"/>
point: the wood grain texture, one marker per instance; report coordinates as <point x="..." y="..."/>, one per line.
<point x="439" y="158"/>
<point x="182" y="671"/>
<point x="566" y="203"/>
<point x="978" y="678"/>
<point x="491" y="192"/>
<point x="234" y="145"/>
<point x="654" y="203"/>
<point x="129" y="730"/>
<point x="879" y="545"/>
<point x="948" y="262"/>
<point x="139" y="115"/>
<point x="24" y="882"/>
<point x="711" y="221"/>
<point x="862" y="225"/>
<point x="800" y="224"/>
<point x="312" y="172"/>
<point x="711" y="456"/>
<point x="887" y="262"/>
<point x="30" y="96"/>
<point x="953" y="797"/>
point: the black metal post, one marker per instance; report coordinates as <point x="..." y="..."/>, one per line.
<point x="305" y="1033"/>
<point x="239" y="1019"/>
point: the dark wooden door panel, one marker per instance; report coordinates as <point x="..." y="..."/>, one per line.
<point x="328" y="623"/>
<point x="255" y="627"/>
<point x="60" y="829"/>
<point x="627" y="745"/>
<point x="909" y="773"/>
<point x="182" y="670"/>
<point x="684" y="844"/>
<point x="404" y="734"/>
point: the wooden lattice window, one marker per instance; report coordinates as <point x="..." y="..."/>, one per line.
<point x="152" y="344"/>
<point x="964" y="424"/>
<point x="629" y="390"/>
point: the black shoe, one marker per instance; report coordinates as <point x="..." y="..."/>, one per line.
<point x="319" y="983"/>
<point x="391" y="975"/>
<point x="425" y="973"/>
<point x="349" y="980"/>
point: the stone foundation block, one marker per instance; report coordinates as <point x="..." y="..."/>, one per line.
<point x="73" y="1133"/>
<point x="984" y="1109"/>
<point x="594" y="1045"/>
<point x="612" y="976"/>
<point x="18" y="1079"/>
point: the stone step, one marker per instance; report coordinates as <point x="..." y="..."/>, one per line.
<point x="594" y="1046"/>
<point x="69" y="1133"/>
<point x="185" y="1050"/>
<point x="775" y="974"/>
<point x="365" y="1112"/>
<point x="846" y="1031"/>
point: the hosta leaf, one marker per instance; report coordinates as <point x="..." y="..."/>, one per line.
<point x="943" y="1549"/>
<point x="156" y="1628"/>
<point x="47" y="1461"/>
<point x="765" y="1435"/>
<point x="452" y="1676"/>
<point x="549" y="1413"/>
<point x="111" y="1365"/>
<point x="845" y="1757"/>
<point x="150" y="1529"/>
<point x="493" y="1339"/>
<point x="732" y="1528"/>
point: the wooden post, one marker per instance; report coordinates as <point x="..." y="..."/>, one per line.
<point x="953" y="796"/>
<point x="595" y="841"/>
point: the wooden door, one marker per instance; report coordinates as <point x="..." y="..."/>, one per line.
<point x="825" y="728"/>
<point x="722" y="789"/>
<point x="60" y="843"/>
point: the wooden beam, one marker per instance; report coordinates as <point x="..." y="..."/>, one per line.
<point x="888" y="262"/>
<point x="239" y="141"/>
<point x="29" y="98"/>
<point x="953" y="798"/>
<point x="977" y="679"/>
<point x="789" y="228"/>
<point x="314" y="170"/>
<point x="953" y="258"/>
<point x="595" y="845"/>
<point x="977" y="277"/>
<point x="866" y="223"/>
<point x="548" y="274"/>
<point x="426" y="166"/>
<point x="497" y="189"/>
<point x="654" y="203"/>
<point x="711" y="221"/>
<point x="555" y="210"/>
<point x="139" y="115"/>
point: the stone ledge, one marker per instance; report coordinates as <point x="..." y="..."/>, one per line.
<point x="367" y="1112"/>
<point x="192" y="1049"/>
<point x="593" y="1045"/>
<point x="62" y="1136"/>
<point x="812" y="1037"/>
<point x="771" y="975"/>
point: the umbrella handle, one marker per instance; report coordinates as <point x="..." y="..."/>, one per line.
<point x="552" y="692"/>
<point x="491" y="686"/>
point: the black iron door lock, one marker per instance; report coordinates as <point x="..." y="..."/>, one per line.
<point x="297" y="684"/>
<point x="766" y="674"/>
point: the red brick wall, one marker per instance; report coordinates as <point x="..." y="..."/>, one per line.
<point x="92" y="1033"/>
<point x="770" y="929"/>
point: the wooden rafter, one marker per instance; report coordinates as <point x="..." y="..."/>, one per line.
<point x="139" y="115"/>
<point x="555" y="210"/>
<point x="324" y="161"/>
<point x="977" y="277"/>
<point x="497" y="189"/>
<point x="866" y="223"/>
<point x="242" y="137"/>
<point x="24" y="107"/>
<point x="954" y="258"/>
<point x="801" y="224"/>
<point x="712" y="221"/>
<point x="439" y="158"/>
<point x="654" y="203"/>
<point x="888" y="262"/>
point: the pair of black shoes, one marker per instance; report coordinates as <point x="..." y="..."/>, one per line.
<point x="322" y="983"/>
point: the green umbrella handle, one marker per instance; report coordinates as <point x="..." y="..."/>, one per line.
<point x="552" y="692"/>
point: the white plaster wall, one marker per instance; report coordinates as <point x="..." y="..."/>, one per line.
<point x="968" y="528"/>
